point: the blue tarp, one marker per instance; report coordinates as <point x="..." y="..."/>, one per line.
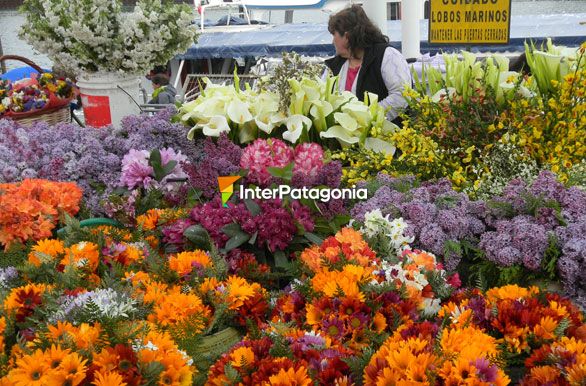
<point x="20" y="73"/>
<point x="315" y="40"/>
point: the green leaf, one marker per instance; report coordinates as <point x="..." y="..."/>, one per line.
<point x="253" y="238"/>
<point x="286" y="172"/>
<point x="236" y="241"/>
<point x="252" y="207"/>
<point x="281" y="260"/>
<point x="313" y="238"/>
<point x="232" y="229"/>
<point x="198" y="236"/>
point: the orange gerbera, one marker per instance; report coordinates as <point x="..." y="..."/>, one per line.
<point x="512" y="292"/>
<point x="84" y="336"/>
<point x="457" y="342"/>
<point x="546" y="328"/>
<point x="239" y="290"/>
<point x="84" y="255"/>
<point x="149" y="220"/>
<point x="577" y="372"/>
<point x="242" y="357"/>
<point x="544" y="374"/>
<point x="290" y="377"/>
<point x="108" y="378"/>
<point x="177" y="307"/>
<point x="183" y="263"/>
<point x="31" y="370"/>
<point x="49" y="247"/>
<point x="56" y="355"/>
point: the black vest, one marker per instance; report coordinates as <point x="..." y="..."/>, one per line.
<point x="370" y="77"/>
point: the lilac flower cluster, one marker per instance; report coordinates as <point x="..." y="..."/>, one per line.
<point x="515" y="228"/>
<point x="217" y="159"/>
<point x="8" y="276"/>
<point x="434" y="212"/>
<point x="90" y="157"/>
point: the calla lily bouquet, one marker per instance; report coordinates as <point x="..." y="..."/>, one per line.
<point x="464" y="76"/>
<point x="552" y="63"/>
<point x="318" y="112"/>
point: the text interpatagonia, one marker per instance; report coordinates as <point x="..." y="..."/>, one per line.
<point x="323" y="195"/>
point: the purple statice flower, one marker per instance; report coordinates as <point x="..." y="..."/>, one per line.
<point x="547" y="218"/>
<point x="7" y="276"/>
<point x="218" y="159"/>
<point x="154" y="132"/>
<point x="520" y="240"/>
<point x="572" y="262"/>
<point x="384" y="198"/>
<point x="573" y="203"/>
<point x="419" y="213"/>
<point x="432" y="238"/>
<point x="547" y="186"/>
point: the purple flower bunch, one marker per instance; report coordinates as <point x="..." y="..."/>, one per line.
<point x="217" y="159"/>
<point x="275" y="225"/>
<point x="90" y="157"/>
<point x="437" y="216"/>
<point x="137" y="171"/>
<point x="527" y="226"/>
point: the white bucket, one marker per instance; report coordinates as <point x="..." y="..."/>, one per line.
<point x="108" y="97"/>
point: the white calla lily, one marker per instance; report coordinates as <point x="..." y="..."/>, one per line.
<point x="238" y="112"/>
<point x="215" y="126"/>
<point x="295" y="125"/>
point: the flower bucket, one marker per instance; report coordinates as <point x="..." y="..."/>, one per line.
<point x="108" y="97"/>
<point x="214" y="345"/>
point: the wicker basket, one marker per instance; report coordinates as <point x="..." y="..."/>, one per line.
<point x="51" y="116"/>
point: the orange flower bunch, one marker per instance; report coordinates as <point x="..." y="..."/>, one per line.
<point x="561" y="363"/>
<point x="185" y="263"/>
<point x="463" y="358"/>
<point x="54" y="366"/>
<point x="172" y="308"/>
<point x="22" y="301"/>
<point x="246" y="300"/>
<point x="153" y="218"/>
<point x="342" y="283"/>
<point x="347" y="246"/>
<point x="125" y="362"/>
<point x="84" y="337"/>
<point x="30" y="209"/>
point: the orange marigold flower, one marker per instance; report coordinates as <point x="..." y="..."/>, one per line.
<point x="183" y="263"/>
<point x="50" y="247"/>
<point x="177" y="307"/>
<point x="546" y="328"/>
<point x="84" y="255"/>
<point x="512" y="292"/>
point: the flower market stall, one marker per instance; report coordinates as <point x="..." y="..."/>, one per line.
<point x="461" y="265"/>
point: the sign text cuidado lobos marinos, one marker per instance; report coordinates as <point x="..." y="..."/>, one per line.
<point x="469" y="21"/>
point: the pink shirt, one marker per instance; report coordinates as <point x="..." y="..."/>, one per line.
<point x="352" y="72"/>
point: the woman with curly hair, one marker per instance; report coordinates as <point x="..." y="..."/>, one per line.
<point x="365" y="62"/>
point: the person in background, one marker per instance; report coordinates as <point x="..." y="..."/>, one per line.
<point x="164" y="92"/>
<point x="365" y="62"/>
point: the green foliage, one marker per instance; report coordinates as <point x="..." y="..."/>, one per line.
<point x="14" y="256"/>
<point x="358" y="363"/>
<point x="280" y="347"/>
